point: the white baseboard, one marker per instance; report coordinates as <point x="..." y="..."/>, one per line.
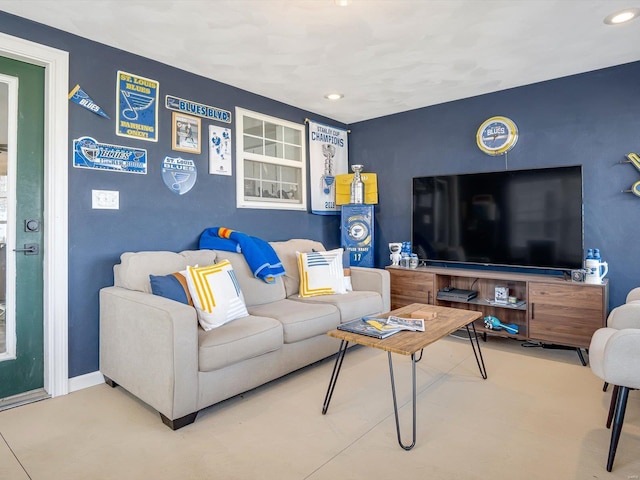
<point x="85" y="381"/>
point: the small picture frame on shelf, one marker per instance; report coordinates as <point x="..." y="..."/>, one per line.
<point x="501" y="294"/>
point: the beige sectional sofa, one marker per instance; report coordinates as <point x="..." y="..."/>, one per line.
<point x="154" y="347"/>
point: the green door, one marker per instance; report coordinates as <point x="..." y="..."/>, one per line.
<point x="21" y="229"/>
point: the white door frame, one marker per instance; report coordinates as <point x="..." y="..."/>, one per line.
<point x="55" y="274"/>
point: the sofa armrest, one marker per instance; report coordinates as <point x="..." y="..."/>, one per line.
<point x="374" y="280"/>
<point x="149" y="346"/>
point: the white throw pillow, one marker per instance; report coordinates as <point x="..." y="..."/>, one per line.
<point x="321" y="273"/>
<point x="347" y="284"/>
<point x="216" y="294"/>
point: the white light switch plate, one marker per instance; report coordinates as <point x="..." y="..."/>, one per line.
<point x="105" y="199"/>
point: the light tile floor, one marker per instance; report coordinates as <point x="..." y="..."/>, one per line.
<point x="539" y="415"/>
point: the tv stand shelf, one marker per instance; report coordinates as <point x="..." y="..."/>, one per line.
<point x="490" y="303"/>
<point x="555" y="311"/>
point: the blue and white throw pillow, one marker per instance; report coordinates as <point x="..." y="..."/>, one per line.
<point x="321" y="273"/>
<point x="216" y="294"/>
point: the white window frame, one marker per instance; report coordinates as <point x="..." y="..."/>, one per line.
<point x="241" y="156"/>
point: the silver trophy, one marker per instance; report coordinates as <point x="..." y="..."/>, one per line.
<point x="357" y="185"/>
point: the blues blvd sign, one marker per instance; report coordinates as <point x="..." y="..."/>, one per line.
<point x="199" y="109"/>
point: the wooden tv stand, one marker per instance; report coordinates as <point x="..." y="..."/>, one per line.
<point x="555" y="311"/>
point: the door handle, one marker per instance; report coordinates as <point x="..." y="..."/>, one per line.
<point x="29" y="249"/>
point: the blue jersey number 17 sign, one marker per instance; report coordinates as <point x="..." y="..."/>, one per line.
<point x="357" y="234"/>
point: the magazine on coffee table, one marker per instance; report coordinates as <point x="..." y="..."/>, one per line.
<point x="363" y="328"/>
<point x="395" y="323"/>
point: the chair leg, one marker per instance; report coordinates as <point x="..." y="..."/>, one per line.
<point x="621" y="406"/>
<point x="612" y="406"/>
<point x="605" y="386"/>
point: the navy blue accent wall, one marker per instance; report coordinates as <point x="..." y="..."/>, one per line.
<point x="150" y="216"/>
<point x="592" y="119"/>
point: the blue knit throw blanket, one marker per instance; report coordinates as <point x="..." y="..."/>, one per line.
<point x="260" y="256"/>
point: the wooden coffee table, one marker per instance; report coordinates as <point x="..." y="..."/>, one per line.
<point x="447" y="321"/>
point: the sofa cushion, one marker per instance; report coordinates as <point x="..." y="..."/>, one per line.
<point x="236" y="341"/>
<point x="134" y="268"/>
<point x="173" y="286"/>
<point x="286" y="251"/>
<point x="199" y="257"/>
<point x="299" y="321"/>
<point x="321" y="273"/>
<point x="256" y="291"/>
<point x="216" y="294"/>
<point x="352" y="305"/>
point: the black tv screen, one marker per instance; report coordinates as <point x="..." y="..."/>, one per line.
<point x="519" y="218"/>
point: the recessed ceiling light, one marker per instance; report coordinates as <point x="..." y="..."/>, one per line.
<point x="333" y="96"/>
<point x="622" y="16"/>
<point x="342" y="3"/>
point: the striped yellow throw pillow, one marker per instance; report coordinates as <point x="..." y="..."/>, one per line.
<point x="321" y="273"/>
<point x="216" y="294"/>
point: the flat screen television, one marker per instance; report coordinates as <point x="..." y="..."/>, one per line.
<point x="517" y="218"/>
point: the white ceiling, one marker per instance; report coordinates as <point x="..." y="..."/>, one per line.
<point x="385" y="56"/>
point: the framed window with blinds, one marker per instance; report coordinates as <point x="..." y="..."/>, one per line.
<point x="270" y="162"/>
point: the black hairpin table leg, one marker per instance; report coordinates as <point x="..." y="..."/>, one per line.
<point x="334" y="375"/>
<point x="478" y="354"/>
<point x="395" y="403"/>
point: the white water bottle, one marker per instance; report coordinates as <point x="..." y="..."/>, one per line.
<point x="596" y="269"/>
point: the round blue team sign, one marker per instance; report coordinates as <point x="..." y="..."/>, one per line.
<point x="358" y="230"/>
<point x="179" y="174"/>
<point x="497" y="135"/>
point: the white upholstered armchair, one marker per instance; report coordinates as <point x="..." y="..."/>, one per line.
<point x="614" y="356"/>
<point x="633" y="295"/>
<point x="625" y="316"/>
